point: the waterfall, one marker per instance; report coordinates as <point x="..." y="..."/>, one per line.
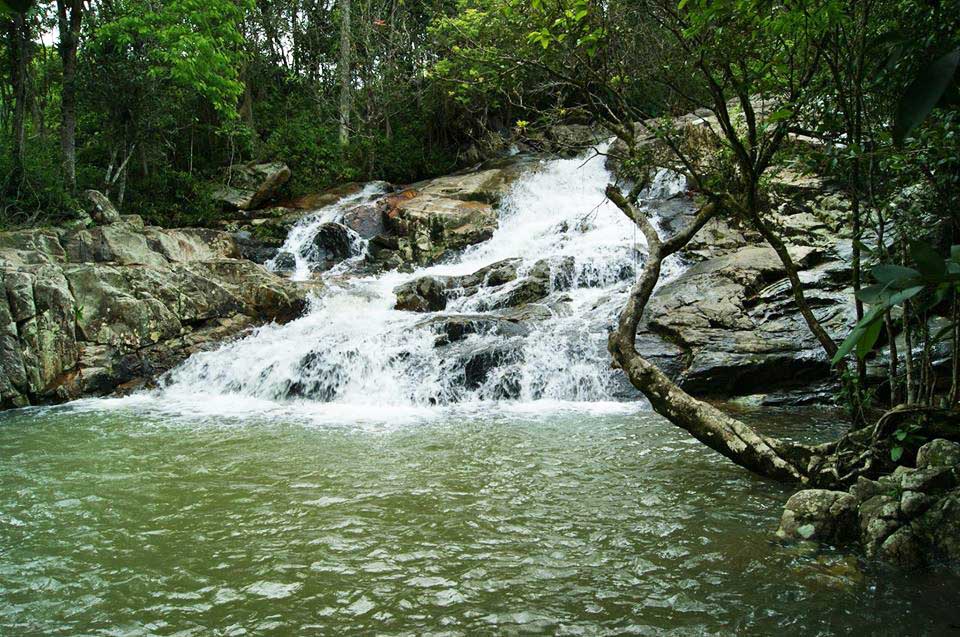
<point x="352" y="348"/>
<point x="299" y="246"/>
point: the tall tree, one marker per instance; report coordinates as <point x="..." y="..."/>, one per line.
<point x="344" y="69"/>
<point x="70" y="19"/>
<point x="18" y="42"/>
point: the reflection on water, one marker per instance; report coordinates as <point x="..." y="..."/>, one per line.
<point x="117" y="522"/>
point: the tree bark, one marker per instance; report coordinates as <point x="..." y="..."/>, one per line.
<point x="19" y="41"/>
<point x="344" y="72"/>
<point x="737" y="441"/>
<point x="70" y="16"/>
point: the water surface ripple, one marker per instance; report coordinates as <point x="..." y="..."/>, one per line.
<point x="114" y="522"/>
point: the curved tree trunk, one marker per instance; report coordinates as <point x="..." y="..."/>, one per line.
<point x="770" y="457"/>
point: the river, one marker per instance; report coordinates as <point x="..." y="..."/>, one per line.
<point x="339" y="475"/>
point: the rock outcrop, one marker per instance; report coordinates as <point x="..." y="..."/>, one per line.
<point x="86" y="311"/>
<point x="101" y="211"/>
<point x="249" y="186"/>
<point x="910" y="517"/>
<point x="434" y="219"/>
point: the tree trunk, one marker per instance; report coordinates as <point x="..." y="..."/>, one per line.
<point x="19" y="41"/>
<point x="344" y="72"/>
<point x="771" y="237"/>
<point x="737" y="441"/>
<point x="70" y="15"/>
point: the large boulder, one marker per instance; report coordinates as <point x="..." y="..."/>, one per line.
<point x="819" y="515"/>
<point x="332" y="244"/>
<point x="429" y="228"/>
<point x="88" y="311"/>
<point x="736" y="320"/>
<point x="249" y="186"/>
<point x="101" y="210"/>
<point x="486" y="186"/>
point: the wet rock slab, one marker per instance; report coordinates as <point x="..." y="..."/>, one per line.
<point x="85" y="311"/>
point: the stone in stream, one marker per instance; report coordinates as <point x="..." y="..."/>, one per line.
<point x="909" y="517"/>
<point x="333" y="243"/>
<point x="819" y="515"/>
<point x="496" y="286"/>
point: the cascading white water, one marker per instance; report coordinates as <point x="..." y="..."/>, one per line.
<point x="299" y="245"/>
<point x="351" y="348"/>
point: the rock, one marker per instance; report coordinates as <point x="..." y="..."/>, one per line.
<point x="903" y="548"/>
<point x="456" y="327"/>
<point x="929" y="480"/>
<point x="429" y="227"/>
<point x="120" y="304"/>
<point x="366" y="220"/>
<point x="570" y="140"/>
<point x="30" y="247"/>
<point x="249" y="186"/>
<point x="820" y="515"/>
<point x="735" y="318"/>
<point x="323" y="199"/>
<point x="499" y="282"/>
<point x="938" y="453"/>
<point x="426" y="294"/>
<point x="101" y="210"/>
<point x="332" y="244"/>
<point x="117" y="243"/>
<point x="879" y="518"/>
<point x="484" y="186"/>
<point x="913" y="503"/>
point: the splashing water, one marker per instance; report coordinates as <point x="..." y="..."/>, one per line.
<point x="352" y="348"/>
<point x="300" y="244"/>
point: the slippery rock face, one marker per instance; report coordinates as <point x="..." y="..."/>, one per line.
<point x="251" y="185"/>
<point x="736" y="320"/>
<point x="85" y="311"/>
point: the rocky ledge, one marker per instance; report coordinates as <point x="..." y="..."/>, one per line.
<point x="910" y="517"/>
<point x="93" y="311"/>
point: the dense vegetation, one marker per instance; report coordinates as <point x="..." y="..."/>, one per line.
<point x="149" y="101"/>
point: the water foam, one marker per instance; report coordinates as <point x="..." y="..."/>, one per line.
<point x="353" y="349"/>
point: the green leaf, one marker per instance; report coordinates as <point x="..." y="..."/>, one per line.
<point x="869" y="339"/>
<point x="779" y="115"/>
<point x="889" y="273"/>
<point x="929" y="263"/>
<point x="955" y="253"/>
<point x="896" y="453"/>
<point x="924" y="93"/>
<point x="873" y="294"/>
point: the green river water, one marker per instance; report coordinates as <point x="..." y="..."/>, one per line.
<point x="121" y="520"/>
